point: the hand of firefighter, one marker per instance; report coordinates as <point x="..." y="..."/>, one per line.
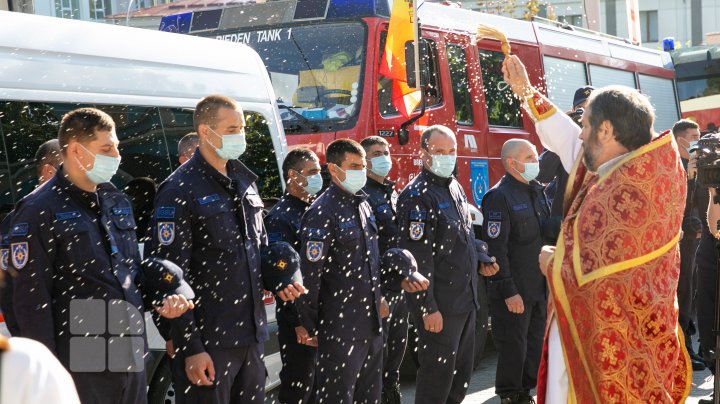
<point x="416" y="282"/>
<point x="292" y="292"/>
<point x="175" y="306"/>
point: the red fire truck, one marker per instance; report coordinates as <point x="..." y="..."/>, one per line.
<point x="323" y="59"/>
<point x="698" y="84"/>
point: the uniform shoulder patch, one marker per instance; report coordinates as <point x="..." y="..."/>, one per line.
<point x="493" y="230"/>
<point x="275" y="237"/>
<point x="208" y="199"/>
<point x="492" y="215"/>
<point x="444" y="205"/>
<point x="20" y="254"/>
<point x="315" y="233"/>
<point x="417" y="230"/>
<point x="165" y="212"/>
<point x="19" y="230"/>
<point x="313" y="250"/>
<point x="4" y="258"/>
<point x="519" y="207"/>
<point x="166" y="232"/>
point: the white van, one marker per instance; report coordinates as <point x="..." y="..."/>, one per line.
<point x="149" y="82"/>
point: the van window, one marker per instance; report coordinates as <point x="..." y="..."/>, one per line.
<point x="25" y="126"/>
<point x="433" y="92"/>
<point x="176" y="123"/>
<point x="457" y="62"/>
<point x="601" y="76"/>
<point x="503" y="108"/>
<point x="661" y="93"/>
<point x="563" y="78"/>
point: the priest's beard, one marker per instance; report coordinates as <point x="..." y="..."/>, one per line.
<point x="590" y="151"/>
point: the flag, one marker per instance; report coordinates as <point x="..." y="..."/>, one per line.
<point x="633" y="21"/>
<point x="402" y="29"/>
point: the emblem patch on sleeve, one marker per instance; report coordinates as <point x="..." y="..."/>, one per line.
<point x="166" y="232"/>
<point x="493" y="230"/>
<point x="4" y="259"/>
<point x="314" y="250"/>
<point x="19" y="254"/>
<point x="417" y="230"/>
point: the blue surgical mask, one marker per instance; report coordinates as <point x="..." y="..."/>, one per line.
<point x="692" y="144"/>
<point x="354" y="180"/>
<point x="233" y="146"/>
<point x="443" y="165"/>
<point x="381" y="165"/>
<point x="531" y="171"/>
<point x="314" y="183"/>
<point x="103" y="168"/>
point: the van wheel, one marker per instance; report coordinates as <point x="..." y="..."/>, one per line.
<point x="482" y="326"/>
<point x="161" y="389"/>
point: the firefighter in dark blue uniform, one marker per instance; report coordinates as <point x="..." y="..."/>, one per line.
<point x="47" y="161"/>
<point x="340" y="266"/>
<point x="298" y="351"/>
<point x="435" y="226"/>
<point x="208" y="220"/>
<point x="72" y="243"/>
<point x="383" y="199"/>
<point x="515" y="212"/>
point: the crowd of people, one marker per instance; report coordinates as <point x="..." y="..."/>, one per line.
<point x="585" y="250"/>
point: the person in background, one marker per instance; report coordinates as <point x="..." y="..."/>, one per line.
<point x="187" y="146"/>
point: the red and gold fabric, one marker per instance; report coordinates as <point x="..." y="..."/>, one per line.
<point x="614" y="278"/>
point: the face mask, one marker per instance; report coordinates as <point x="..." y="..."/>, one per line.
<point x="103" y="168"/>
<point x="314" y="183"/>
<point x="381" y="165"/>
<point x="443" y="166"/>
<point x="531" y="171"/>
<point x="354" y="180"/>
<point x="233" y="146"/>
<point x="692" y="144"/>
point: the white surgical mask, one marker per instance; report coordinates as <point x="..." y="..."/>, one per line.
<point x="314" y="183"/>
<point x="443" y="165"/>
<point x="354" y="180"/>
<point x="381" y="165"/>
<point x="531" y="171"/>
<point x="233" y="145"/>
<point x="104" y="168"/>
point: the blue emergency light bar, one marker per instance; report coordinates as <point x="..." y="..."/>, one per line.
<point x="267" y="12"/>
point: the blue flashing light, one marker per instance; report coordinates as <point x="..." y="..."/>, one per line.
<point x="669" y="44"/>
<point x="358" y="8"/>
<point x="179" y="23"/>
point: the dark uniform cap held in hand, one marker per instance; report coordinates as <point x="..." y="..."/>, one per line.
<point x="482" y="251"/>
<point x="582" y="94"/>
<point x="398" y="264"/>
<point x="280" y="265"/>
<point x="164" y="278"/>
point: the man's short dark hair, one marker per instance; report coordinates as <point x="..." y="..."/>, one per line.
<point x="370" y="141"/>
<point x="295" y="160"/>
<point x="206" y="110"/>
<point x="188" y="144"/>
<point x="337" y="149"/>
<point x="683" y="125"/>
<point x="48" y="153"/>
<point x="80" y="125"/>
<point x="630" y="113"/>
<point x="425" y="137"/>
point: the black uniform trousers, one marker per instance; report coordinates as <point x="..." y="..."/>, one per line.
<point x="297" y="377"/>
<point x="395" y="335"/>
<point x="111" y="387"/>
<point x="446" y="360"/>
<point x="349" y="372"/>
<point x="685" y="288"/>
<point x="705" y="298"/>
<point x="518" y="339"/>
<point x="237" y="379"/>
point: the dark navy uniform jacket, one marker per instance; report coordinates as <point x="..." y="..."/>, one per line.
<point x="283" y="224"/>
<point x="383" y="201"/>
<point x="514" y="215"/>
<point x="212" y="227"/>
<point x="435" y="226"/>
<point x="340" y="266"/>
<point x="66" y="244"/>
<point x="7" y="289"/>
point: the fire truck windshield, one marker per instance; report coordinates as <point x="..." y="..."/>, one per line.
<point x="315" y="71"/>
